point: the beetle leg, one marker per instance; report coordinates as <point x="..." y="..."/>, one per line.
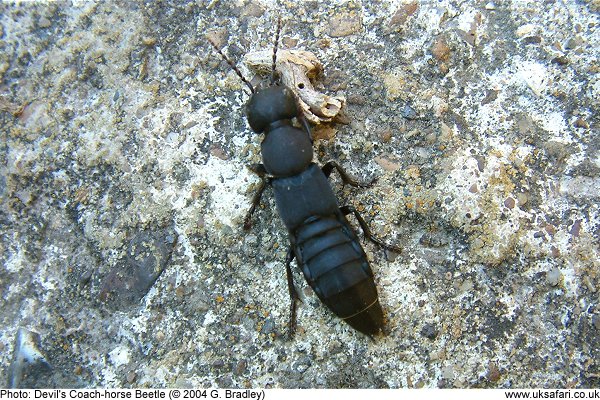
<point x="304" y="122"/>
<point x="367" y="232"/>
<point x="292" y="290"/>
<point x="259" y="170"/>
<point x="347" y="179"/>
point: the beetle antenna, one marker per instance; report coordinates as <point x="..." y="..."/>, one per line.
<point x="275" y="50"/>
<point x="232" y="65"/>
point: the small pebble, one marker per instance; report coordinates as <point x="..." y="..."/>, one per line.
<point x="387" y="164"/>
<point x="522" y="199"/>
<point x="532" y="40"/>
<point x="560" y="60"/>
<point x="429" y="331"/>
<point x="553" y="276"/>
<point x="440" y="50"/>
<point x="403" y="13"/>
<point x="386" y="136"/>
<point x="149" y="41"/>
<point x="408" y="112"/>
<point x="576" y="228"/>
<point x="525" y="30"/>
<point x="131" y="377"/>
<point x="581" y="123"/>
<point x="509" y="203"/>
<point x="493" y="373"/>
<point x="253" y="9"/>
<point x="345" y="24"/>
<point x="241" y="367"/>
<point x="44" y="22"/>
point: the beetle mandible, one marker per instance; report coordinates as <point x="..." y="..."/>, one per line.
<point x="322" y="241"/>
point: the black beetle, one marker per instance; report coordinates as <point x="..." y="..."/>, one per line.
<point x="323" y="242"/>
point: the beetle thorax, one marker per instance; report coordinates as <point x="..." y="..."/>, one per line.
<point x="286" y="150"/>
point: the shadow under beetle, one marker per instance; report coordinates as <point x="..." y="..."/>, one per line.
<point x="322" y="241"/>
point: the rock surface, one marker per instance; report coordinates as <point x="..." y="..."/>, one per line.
<point x="121" y="122"/>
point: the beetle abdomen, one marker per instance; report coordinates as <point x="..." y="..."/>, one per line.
<point x="337" y="269"/>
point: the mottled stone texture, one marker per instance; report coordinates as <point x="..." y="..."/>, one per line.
<point x="124" y="151"/>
